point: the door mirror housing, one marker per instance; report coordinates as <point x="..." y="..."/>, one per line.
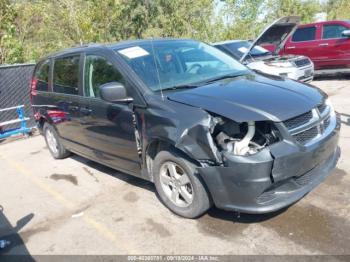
<point x="346" y="33"/>
<point x="114" y="92"/>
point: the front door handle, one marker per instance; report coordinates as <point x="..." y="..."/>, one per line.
<point x="73" y="108"/>
<point x="290" y="47"/>
<point x="85" y="111"/>
<point x="324" y="44"/>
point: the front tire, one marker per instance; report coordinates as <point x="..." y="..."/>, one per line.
<point x="56" y="148"/>
<point x="179" y="186"/>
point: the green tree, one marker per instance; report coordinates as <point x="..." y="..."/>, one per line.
<point x="338" y="9"/>
<point x="307" y="9"/>
<point x="244" y="19"/>
<point x="31" y="29"/>
<point x="10" y="49"/>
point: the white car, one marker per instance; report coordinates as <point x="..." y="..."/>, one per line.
<point x="260" y="59"/>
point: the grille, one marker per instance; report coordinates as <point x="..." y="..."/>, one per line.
<point x="266" y="196"/>
<point x="298" y="120"/>
<point x="311" y="125"/>
<point x="321" y="108"/>
<point x="307" y="135"/>
<point x="304" y="179"/>
<point x="302" y="62"/>
<point x="327" y="122"/>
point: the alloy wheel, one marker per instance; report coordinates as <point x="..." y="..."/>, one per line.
<point x="51" y="141"/>
<point x="176" y="184"/>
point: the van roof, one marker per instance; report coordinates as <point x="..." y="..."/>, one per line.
<point x="122" y="44"/>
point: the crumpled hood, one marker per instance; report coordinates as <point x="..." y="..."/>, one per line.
<point x="253" y="98"/>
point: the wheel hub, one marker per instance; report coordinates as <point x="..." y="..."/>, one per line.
<point x="176" y="184"/>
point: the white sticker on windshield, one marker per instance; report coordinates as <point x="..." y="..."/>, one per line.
<point x="242" y="49"/>
<point x="133" y="52"/>
<point x="261" y="49"/>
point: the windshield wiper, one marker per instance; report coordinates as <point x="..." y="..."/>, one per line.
<point x="186" y="86"/>
<point x="224" y="77"/>
<point x="197" y="84"/>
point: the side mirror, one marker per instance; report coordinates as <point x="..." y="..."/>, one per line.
<point x="114" y="92"/>
<point x="346" y="33"/>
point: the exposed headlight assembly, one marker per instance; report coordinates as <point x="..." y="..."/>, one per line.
<point x="245" y="138"/>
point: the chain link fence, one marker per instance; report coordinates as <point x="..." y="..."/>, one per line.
<point x="14" y="90"/>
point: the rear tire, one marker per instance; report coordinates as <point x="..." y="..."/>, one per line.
<point x="56" y="148"/>
<point x="179" y="186"/>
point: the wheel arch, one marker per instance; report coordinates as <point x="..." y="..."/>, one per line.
<point x="155" y="146"/>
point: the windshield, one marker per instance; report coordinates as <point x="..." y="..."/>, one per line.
<point x="240" y="48"/>
<point x="175" y="63"/>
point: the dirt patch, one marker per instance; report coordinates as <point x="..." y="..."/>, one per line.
<point x="118" y="219"/>
<point x="49" y="224"/>
<point x="336" y="92"/>
<point x="35" y="152"/>
<point x="131" y="197"/>
<point x="221" y="224"/>
<point x="66" y="177"/>
<point x="80" y="210"/>
<point x="158" y="228"/>
<point x="26" y="235"/>
<point x="336" y="178"/>
<point x="90" y="173"/>
<point x="313" y="228"/>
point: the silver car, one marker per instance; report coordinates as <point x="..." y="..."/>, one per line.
<point x="258" y="58"/>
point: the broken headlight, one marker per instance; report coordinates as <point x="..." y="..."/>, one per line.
<point x="244" y="138"/>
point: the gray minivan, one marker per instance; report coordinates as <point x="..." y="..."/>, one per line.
<point x="186" y="116"/>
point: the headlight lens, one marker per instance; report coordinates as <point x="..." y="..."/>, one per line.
<point x="328" y="102"/>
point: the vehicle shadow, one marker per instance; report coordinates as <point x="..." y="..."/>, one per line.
<point x="135" y="181"/>
<point x="242" y="218"/>
<point x="214" y="212"/>
<point x="332" y="77"/>
<point x="11" y="242"/>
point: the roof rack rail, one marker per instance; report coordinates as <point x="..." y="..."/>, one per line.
<point x="87" y="45"/>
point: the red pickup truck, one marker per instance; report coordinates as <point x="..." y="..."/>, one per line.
<point x="327" y="44"/>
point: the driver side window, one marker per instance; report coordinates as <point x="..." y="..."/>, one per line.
<point x="98" y="71"/>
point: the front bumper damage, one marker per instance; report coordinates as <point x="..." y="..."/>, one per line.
<point x="274" y="178"/>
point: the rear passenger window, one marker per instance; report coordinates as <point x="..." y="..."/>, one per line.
<point x="333" y="31"/>
<point x="66" y="75"/>
<point x="304" y="34"/>
<point x="98" y="71"/>
<point x="42" y="76"/>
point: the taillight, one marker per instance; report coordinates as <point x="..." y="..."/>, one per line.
<point x="33" y="85"/>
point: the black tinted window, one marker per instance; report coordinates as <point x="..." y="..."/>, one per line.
<point x="333" y="31"/>
<point x="98" y="71"/>
<point x="42" y="76"/>
<point x="66" y="75"/>
<point x="304" y="34"/>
